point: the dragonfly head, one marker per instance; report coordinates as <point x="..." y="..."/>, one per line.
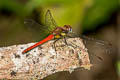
<point x="68" y="28"/>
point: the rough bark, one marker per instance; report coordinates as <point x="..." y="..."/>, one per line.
<point x="43" y="60"/>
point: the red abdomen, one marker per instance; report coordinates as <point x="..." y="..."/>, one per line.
<point x="50" y="37"/>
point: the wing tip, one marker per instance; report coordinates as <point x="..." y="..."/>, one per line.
<point x="48" y="10"/>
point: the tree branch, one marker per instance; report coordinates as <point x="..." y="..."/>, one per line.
<point x="43" y="60"/>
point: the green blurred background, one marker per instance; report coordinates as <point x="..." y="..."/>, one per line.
<point x="96" y="18"/>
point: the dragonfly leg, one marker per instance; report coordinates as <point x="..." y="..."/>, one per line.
<point x="65" y="41"/>
<point x="70" y="44"/>
<point x="54" y="44"/>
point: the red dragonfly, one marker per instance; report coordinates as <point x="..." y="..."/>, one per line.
<point x="57" y="33"/>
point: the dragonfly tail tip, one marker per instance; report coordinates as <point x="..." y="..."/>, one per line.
<point x="23" y="52"/>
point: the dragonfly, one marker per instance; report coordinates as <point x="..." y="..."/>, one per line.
<point x="56" y="32"/>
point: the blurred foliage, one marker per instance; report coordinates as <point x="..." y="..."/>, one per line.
<point x="99" y="13"/>
<point x="81" y="14"/>
<point x="12" y="6"/>
<point x="64" y="12"/>
<point x="118" y="68"/>
<point x="90" y="12"/>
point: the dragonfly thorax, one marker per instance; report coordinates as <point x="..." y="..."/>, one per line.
<point x="62" y="31"/>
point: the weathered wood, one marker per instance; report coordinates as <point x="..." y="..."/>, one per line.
<point x="43" y="60"/>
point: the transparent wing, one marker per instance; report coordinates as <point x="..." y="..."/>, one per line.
<point x="48" y="27"/>
<point x="50" y="23"/>
<point x="34" y="26"/>
<point x="36" y="29"/>
<point x="97" y="49"/>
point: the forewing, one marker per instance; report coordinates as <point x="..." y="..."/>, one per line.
<point x="36" y="29"/>
<point x="33" y="25"/>
<point x="50" y="23"/>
